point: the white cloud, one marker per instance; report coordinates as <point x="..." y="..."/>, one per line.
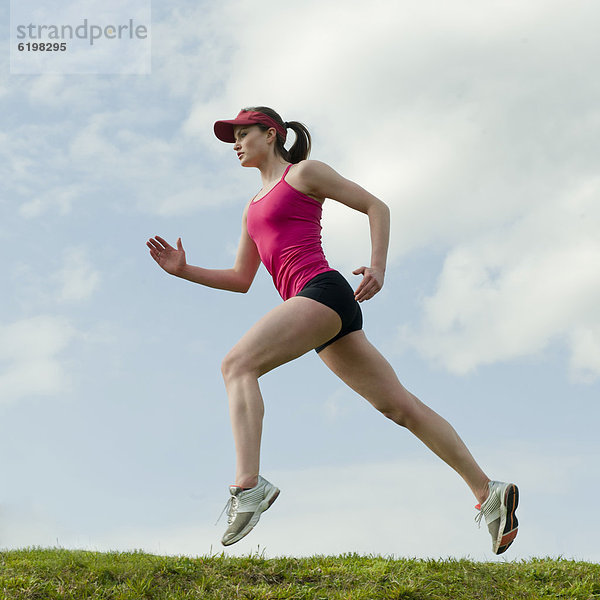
<point x="160" y="176"/>
<point x="134" y="155"/>
<point x="30" y="357"/>
<point x="585" y="352"/>
<point x="77" y="278"/>
<point x="192" y="49"/>
<point x="33" y="170"/>
<point x="57" y="91"/>
<point x="336" y="404"/>
<point x="516" y="289"/>
<point x="59" y="198"/>
<point x="70" y="277"/>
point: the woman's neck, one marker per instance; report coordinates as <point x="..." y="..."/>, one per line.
<point x="272" y="170"/>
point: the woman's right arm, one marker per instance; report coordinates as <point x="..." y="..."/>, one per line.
<point x="237" y="279"/>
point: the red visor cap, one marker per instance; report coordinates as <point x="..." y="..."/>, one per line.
<point x="224" y="129"/>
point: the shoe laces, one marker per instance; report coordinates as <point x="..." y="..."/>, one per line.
<point x="489" y="507"/>
<point x="479" y="515"/>
<point x="231" y="508"/>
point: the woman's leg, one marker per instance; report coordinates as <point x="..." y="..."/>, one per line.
<point x="360" y="365"/>
<point x="287" y="332"/>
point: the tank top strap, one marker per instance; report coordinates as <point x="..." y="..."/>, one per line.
<point x="286" y="171"/>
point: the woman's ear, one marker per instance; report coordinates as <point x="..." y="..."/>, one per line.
<point x="271" y="135"/>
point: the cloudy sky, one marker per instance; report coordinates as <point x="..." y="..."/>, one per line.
<point x="478" y="123"/>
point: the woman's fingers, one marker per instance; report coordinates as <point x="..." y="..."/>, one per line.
<point x="365" y="293"/>
<point x="158" y="245"/>
<point x="369" y="286"/>
<point x="154" y="247"/>
<point x="164" y="243"/>
<point x="155" y="244"/>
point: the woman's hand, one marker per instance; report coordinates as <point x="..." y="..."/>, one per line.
<point x="172" y="260"/>
<point x="372" y="282"/>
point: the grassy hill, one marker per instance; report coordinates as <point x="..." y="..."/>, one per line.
<point x="46" y="574"/>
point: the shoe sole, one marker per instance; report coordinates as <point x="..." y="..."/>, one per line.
<point x="509" y="525"/>
<point x="262" y="507"/>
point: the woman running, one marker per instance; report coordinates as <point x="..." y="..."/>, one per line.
<point x="281" y="226"/>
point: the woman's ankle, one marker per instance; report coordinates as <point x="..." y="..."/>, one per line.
<point x="247" y="482"/>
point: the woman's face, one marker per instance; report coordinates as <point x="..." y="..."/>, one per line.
<point x="251" y="144"/>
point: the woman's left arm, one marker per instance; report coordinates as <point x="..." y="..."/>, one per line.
<point x="323" y="182"/>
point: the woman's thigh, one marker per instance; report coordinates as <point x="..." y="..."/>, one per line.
<point x="363" y="368"/>
<point x="291" y="329"/>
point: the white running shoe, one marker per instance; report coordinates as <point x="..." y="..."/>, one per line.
<point x="245" y="507"/>
<point x="499" y="512"/>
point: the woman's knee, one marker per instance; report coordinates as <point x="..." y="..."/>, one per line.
<point x="236" y="364"/>
<point x="402" y="410"/>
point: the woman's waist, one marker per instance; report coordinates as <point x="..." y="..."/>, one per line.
<point x="290" y="279"/>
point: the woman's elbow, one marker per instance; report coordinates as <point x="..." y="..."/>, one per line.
<point x="379" y="206"/>
<point x="383" y="205"/>
<point x="243" y="285"/>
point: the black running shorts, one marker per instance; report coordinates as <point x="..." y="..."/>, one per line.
<point x="332" y="289"/>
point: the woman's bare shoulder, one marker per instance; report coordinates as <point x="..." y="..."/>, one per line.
<point x="310" y="167"/>
<point x="310" y="173"/>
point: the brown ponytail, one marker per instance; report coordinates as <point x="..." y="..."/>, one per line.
<point x="300" y="149"/>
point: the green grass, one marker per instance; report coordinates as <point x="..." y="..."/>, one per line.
<point x="46" y="574"/>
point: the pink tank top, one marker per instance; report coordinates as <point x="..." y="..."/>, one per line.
<point x="285" y="225"/>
